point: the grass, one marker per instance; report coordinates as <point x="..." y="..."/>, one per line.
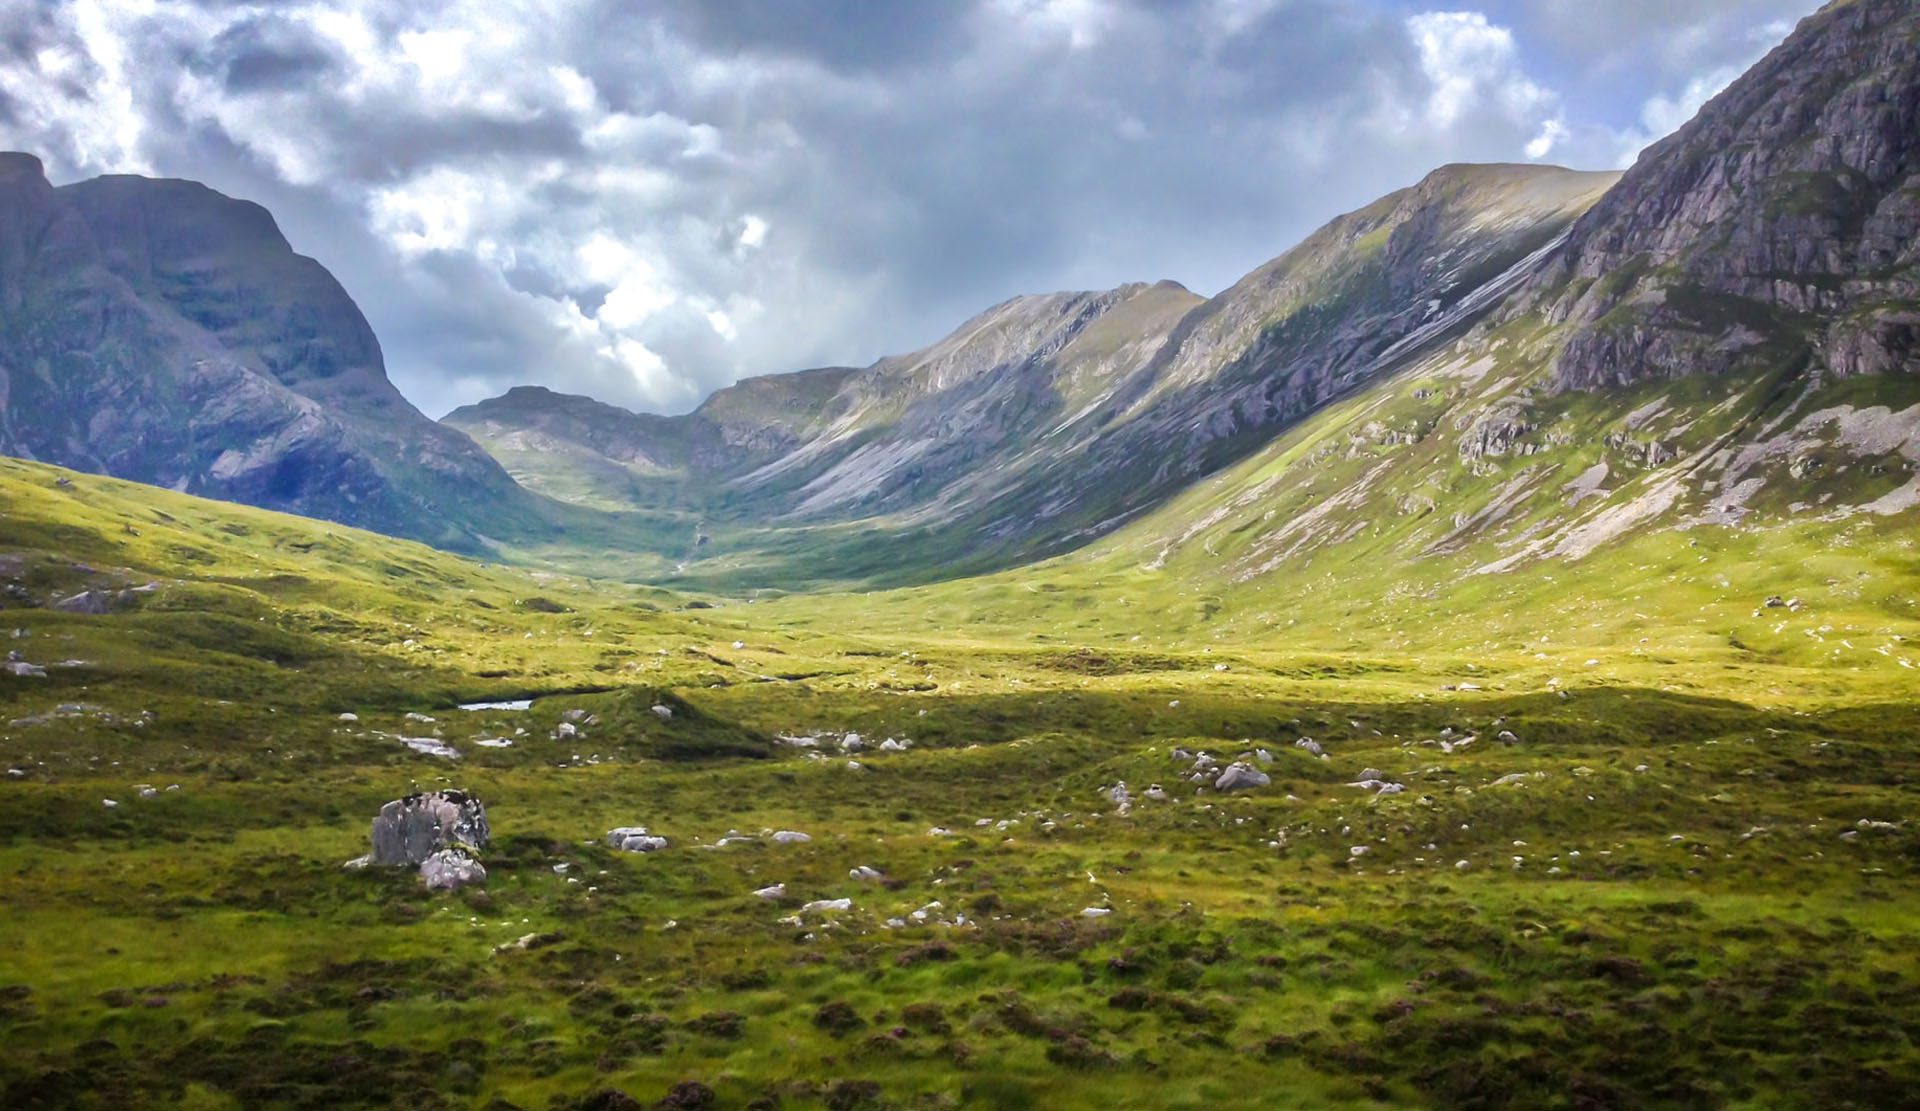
<point x="1661" y="910"/>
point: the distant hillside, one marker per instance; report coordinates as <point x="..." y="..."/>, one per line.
<point x="1048" y="420"/>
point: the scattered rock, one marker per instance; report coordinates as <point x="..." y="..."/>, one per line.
<point x="349" y="718"/>
<point x="1096" y="912"/>
<point x="1311" y="746"/>
<point x="823" y="906"/>
<point x="431" y="746"/>
<point x="1241" y="777"/>
<point x="450" y="869"/>
<point x="778" y="890"/>
<point x="664" y="713"/>
<point x="95" y="602"/>
<point x="872" y="875"/>
<point x="635" y="839"/>
<point x="790" y="837"/>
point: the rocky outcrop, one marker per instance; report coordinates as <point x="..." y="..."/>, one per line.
<point x="451" y="869"/>
<point x="1777" y="229"/>
<point x="159" y="331"/>
<point x="410" y="830"/>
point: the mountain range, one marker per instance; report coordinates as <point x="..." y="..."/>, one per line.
<point x="1520" y="361"/>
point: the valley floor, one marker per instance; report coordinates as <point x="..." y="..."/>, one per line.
<point x="1658" y="880"/>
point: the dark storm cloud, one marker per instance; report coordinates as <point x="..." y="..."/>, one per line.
<point x="645" y="202"/>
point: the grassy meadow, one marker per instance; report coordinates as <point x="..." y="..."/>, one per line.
<point x="1655" y="845"/>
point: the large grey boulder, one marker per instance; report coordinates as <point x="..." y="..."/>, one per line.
<point x="451" y="869"/>
<point x="1241" y="777"/>
<point x="410" y="830"/>
<point x="95" y="602"/>
<point x="635" y="839"/>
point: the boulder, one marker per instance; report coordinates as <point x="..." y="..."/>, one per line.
<point x="410" y="830"/>
<point x="1241" y="777"/>
<point x="635" y="839"/>
<point x="451" y="869"/>
<point x="95" y="602"/>
<point x="1311" y="746"/>
<point x="664" y="713"/>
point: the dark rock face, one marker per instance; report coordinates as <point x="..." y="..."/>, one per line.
<point x="413" y="829"/>
<point x="159" y="331"/>
<point x="1777" y="229"/>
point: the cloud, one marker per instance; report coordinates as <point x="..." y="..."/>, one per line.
<point x="646" y="202"/>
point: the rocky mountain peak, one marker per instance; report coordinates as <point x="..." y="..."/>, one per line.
<point x="18" y="165"/>
<point x="1777" y="229"/>
<point x="158" y="330"/>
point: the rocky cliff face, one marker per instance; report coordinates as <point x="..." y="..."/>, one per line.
<point x="1777" y="229"/>
<point x="159" y="331"/>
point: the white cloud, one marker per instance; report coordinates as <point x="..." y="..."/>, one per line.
<point x="1473" y="65"/>
<point x="1663" y="115"/>
<point x="1551" y="134"/>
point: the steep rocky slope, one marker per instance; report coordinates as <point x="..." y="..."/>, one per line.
<point x="159" y="331"/>
<point x="1775" y="229"/>
<point x="1050" y="419"/>
<point x="1723" y="349"/>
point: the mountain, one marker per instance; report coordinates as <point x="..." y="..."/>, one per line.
<point x="1721" y="356"/>
<point x="1778" y="227"/>
<point x="160" y="331"/>
<point x="835" y="443"/>
<point x="1050" y="419"/>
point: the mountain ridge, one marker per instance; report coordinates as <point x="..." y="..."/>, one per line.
<point x="161" y="331"/>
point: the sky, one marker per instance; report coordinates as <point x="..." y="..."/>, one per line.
<point x="645" y="200"/>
